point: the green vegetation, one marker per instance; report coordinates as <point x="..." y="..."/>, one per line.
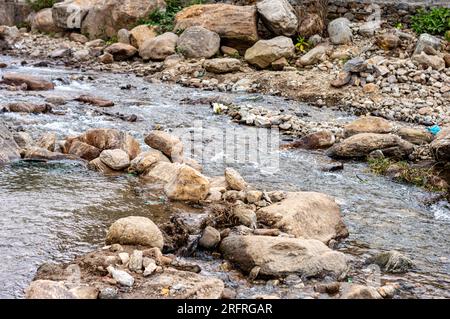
<point x="164" y="19"/>
<point x="111" y="40"/>
<point x="37" y="5"/>
<point x="399" y="26"/>
<point x="302" y="44"/>
<point x="435" y="21"/>
<point x="447" y="36"/>
<point x="403" y="172"/>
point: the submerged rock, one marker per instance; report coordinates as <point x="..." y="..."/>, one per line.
<point x="32" y="83"/>
<point x="305" y="215"/>
<point x="95" y="101"/>
<point x="9" y="150"/>
<point x="135" y="230"/>
<point x="28" y="107"/>
<point x="393" y="262"/>
<point x="281" y="256"/>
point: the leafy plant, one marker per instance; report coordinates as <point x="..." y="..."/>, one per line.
<point x="111" y="40"/>
<point x="399" y="26"/>
<point x="447" y="36"/>
<point x="435" y="21"/>
<point x="421" y="177"/>
<point x="302" y="44"/>
<point x="37" y="5"/>
<point x="164" y="19"/>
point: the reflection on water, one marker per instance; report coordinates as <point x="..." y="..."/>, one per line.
<point x="53" y="211"/>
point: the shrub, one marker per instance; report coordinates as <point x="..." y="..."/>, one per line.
<point x="435" y="21"/>
<point x="164" y="19"/>
<point x="37" y="5"/>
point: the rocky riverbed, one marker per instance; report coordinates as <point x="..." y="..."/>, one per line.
<point x="149" y="164"/>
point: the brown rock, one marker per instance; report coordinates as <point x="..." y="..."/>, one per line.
<point x="415" y="135"/>
<point x="106" y="58"/>
<point x="28" y="107"/>
<point x="370" y="88"/>
<point x="77" y="37"/>
<point x="121" y="51"/>
<point x="198" y="42"/>
<point x="142" y="33"/>
<point x="388" y="41"/>
<point x="368" y="124"/>
<point x="222" y="65"/>
<point x="104" y="139"/>
<point x="343" y="78"/>
<point x="83" y="150"/>
<point x="32" y="83"/>
<point x="231" y="52"/>
<point x="281" y="256"/>
<point x="264" y="52"/>
<point x="236" y="25"/>
<point x="43" y="22"/>
<point x="97" y="101"/>
<point x="306" y="215"/>
<point x="353" y="291"/>
<point x="159" y="47"/>
<point x="187" y="185"/>
<point x="317" y="140"/>
<point x="170" y="145"/>
<point x="310" y="24"/>
<point x="362" y="144"/>
<point x="48" y="289"/>
<point x="135" y="230"/>
<point x="107" y="17"/>
<point x="447" y="60"/>
<point x="47" y="141"/>
<point x="278" y="65"/>
<point x="234" y="179"/>
<point x="97" y="165"/>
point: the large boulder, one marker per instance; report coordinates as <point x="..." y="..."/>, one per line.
<point x="83" y="150"/>
<point x="278" y="16"/>
<point x="310" y="24"/>
<point x="222" y="65"/>
<point x="48" y="289"/>
<point x="162" y="172"/>
<point x="43" y="22"/>
<point x="169" y="144"/>
<point x="144" y="161"/>
<point x="107" y="17"/>
<point x="116" y="159"/>
<point x="105" y="139"/>
<point x="236" y="25"/>
<point x="8" y="37"/>
<point x="264" y="52"/>
<point x="9" y="150"/>
<point x="142" y="33"/>
<point x="160" y="47"/>
<point x="305" y="215"/>
<point x="427" y="41"/>
<point x="368" y="124"/>
<point x="362" y="144"/>
<point x="281" y="256"/>
<point x="339" y="31"/>
<point x="415" y="135"/>
<point x="426" y="60"/>
<point x="25" y="107"/>
<point x="32" y="83"/>
<point x="187" y="184"/>
<point x="121" y="51"/>
<point x="441" y="145"/>
<point x="135" y="230"/>
<point x="69" y="14"/>
<point x="198" y="42"/>
<point x="234" y="180"/>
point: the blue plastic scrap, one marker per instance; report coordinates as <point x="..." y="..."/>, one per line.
<point x="435" y="129"/>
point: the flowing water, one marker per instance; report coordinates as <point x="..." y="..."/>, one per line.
<point x="50" y="212"/>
